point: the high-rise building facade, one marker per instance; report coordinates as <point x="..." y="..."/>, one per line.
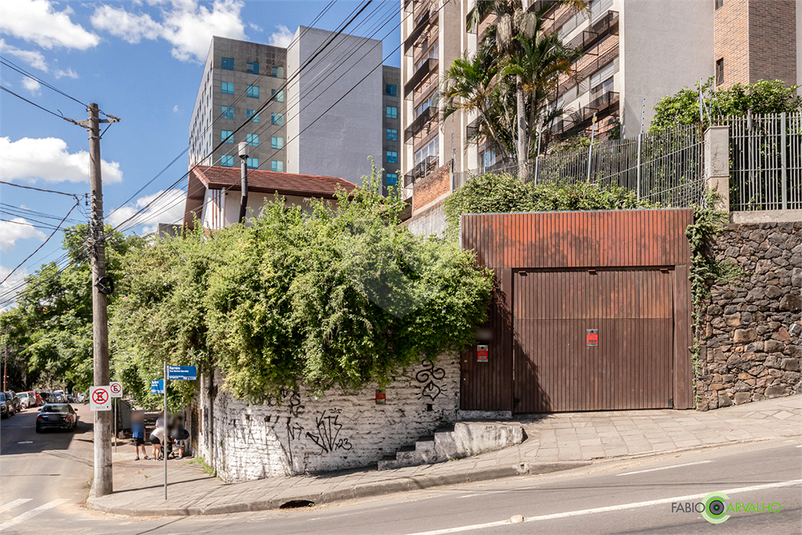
<point x="634" y="52"/>
<point x="328" y="111"/>
<point x="239" y="77"/>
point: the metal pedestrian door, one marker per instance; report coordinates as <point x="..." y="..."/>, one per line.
<point x="592" y="339"/>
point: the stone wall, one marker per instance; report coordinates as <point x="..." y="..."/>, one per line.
<point x="752" y="326"/>
<point x="302" y="433"/>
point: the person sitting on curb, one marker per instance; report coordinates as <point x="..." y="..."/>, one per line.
<point x="138" y="434"/>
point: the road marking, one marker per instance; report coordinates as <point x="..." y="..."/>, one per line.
<point x="663" y="468"/>
<point x="15" y="503"/>
<point x="32" y="513"/>
<point x="610" y="508"/>
<point x="472" y="495"/>
<point x="26" y="442"/>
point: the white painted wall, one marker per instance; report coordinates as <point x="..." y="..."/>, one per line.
<point x="665" y="45"/>
<point x="334" y="142"/>
<point x="229" y="201"/>
<point x="300" y="433"/>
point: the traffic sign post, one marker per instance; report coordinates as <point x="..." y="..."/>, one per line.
<point x="99" y="398"/>
<point x="116" y="391"/>
<point x="157" y="386"/>
<point x="182" y="373"/>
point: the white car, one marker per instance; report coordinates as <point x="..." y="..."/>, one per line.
<point x="26" y="400"/>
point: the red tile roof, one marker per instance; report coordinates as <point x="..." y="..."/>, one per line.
<point x="272" y="181"/>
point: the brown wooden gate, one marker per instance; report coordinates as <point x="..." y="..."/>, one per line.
<point x="558" y="368"/>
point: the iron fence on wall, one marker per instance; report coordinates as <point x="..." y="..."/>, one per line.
<point x="765" y="162"/>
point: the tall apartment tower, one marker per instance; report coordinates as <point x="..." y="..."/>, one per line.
<point x="327" y="116"/>
<point x="635" y="52"/>
<point x="238" y="78"/>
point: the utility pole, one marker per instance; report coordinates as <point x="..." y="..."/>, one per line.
<point x="100" y="319"/>
<point x="243" y="206"/>
<point x="101" y="287"/>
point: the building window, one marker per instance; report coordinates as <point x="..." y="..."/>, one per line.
<point x="253" y="67"/>
<point x="227" y="161"/>
<point x="425" y="155"/>
<point x="277" y="118"/>
<point x="252" y="139"/>
<point x="227" y="88"/>
<point x="252" y="113"/>
<point x="277" y="72"/>
<point x="392" y="156"/>
<point x="719" y="71"/>
<point x="279" y="95"/>
<point x="392" y="134"/>
<point x="277" y="142"/>
<point x="227" y="64"/>
<point x="227" y="136"/>
<point x="252" y="163"/>
<point x="391" y="89"/>
<point x="253" y="91"/>
<point x="719" y="3"/>
<point x="392" y="112"/>
<point x="489" y="158"/>
<point x="392" y="179"/>
<point x="276" y="165"/>
<point x="227" y="112"/>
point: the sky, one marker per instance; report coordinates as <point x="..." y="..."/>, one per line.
<point x="141" y="61"/>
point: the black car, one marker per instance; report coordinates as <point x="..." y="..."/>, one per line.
<point x="6" y="406"/>
<point x="14" y="400"/>
<point x="56" y="416"/>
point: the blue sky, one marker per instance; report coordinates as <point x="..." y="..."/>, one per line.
<point x="139" y="60"/>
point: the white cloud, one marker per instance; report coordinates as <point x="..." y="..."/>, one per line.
<point x="281" y="37"/>
<point x="16" y="229"/>
<point x="37" y="21"/>
<point x="185" y="24"/>
<point x="175" y="108"/>
<point x="12" y="282"/>
<point x="47" y="159"/>
<point x="167" y="209"/>
<point x="31" y="85"/>
<point x="34" y="58"/>
<point x="69" y="73"/>
<point x="255" y="27"/>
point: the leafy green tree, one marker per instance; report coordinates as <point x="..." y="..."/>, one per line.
<point x="503" y="193"/>
<point x="329" y="296"/>
<point x="762" y="97"/>
<point x="50" y="329"/>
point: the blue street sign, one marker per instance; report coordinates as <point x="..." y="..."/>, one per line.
<point x="157" y="386"/>
<point x="182" y="373"/>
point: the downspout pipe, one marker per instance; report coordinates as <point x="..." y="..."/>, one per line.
<point x="243" y="156"/>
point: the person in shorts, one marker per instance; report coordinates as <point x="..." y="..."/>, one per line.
<point x="138" y="434"/>
<point x="157" y="436"/>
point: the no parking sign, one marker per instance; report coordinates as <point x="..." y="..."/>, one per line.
<point x="99" y="398"/>
<point x="116" y="389"/>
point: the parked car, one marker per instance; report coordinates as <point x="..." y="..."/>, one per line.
<point x="15" y="400"/>
<point x="56" y="416"/>
<point x="6" y="406"/>
<point x="26" y="400"/>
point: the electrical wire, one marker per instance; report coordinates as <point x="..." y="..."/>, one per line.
<point x="7" y="90"/>
<point x="11" y="65"/>
<point x="39" y="189"/>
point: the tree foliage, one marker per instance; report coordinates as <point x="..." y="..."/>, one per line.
<point x="502" y="193"/>
<point x="762" y="97"/>
<point x="322" y="296"/>
<point x="50" y="330"/>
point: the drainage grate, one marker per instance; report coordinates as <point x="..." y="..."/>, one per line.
<point x="295" y="504"/>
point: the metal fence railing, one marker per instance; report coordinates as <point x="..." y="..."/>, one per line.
<point x="765" y="162"/>
<point x="669" y="171"/>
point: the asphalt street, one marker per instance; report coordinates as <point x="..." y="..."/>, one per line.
<point x="45" y="477"/>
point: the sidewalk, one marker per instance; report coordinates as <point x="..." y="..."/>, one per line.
<point x="555" y="442"/>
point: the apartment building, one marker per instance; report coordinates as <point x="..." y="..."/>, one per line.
<point x="635" y="52"/>
<point x="326" y="117"/>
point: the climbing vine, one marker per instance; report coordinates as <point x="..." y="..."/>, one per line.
<point x="705" y="269"/>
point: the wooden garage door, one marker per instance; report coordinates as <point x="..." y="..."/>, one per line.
<point x="554" y="367"/>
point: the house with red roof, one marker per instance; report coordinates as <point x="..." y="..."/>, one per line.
<point x="214" y="193"/>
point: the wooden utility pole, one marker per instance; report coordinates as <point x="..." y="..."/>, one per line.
<point x="100" y="320"/>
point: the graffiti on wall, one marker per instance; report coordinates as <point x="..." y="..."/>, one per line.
<point x="428" y="377"/>
<point x="327" y="435"/>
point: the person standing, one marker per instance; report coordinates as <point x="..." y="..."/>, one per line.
<point x="138" y="434"/>
<point x="157" y="436"/>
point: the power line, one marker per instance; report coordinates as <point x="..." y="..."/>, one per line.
<point x="7" y="90"/>
<point x="39" y="189"/>
<point x="43" y="244"/>
<point x="11" y="65"/>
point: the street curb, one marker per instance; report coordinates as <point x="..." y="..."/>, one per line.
<point x="367" y="490"/>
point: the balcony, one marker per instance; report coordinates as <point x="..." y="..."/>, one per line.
<point x="602" y="106"/>
<point x="421" y="170"/>
<point x="429" y="19"/>
<point x="417" y="125"/>
<point x="608" y="24"/>
<point x="423" y="71"/>
<point x="587" y="69"/>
